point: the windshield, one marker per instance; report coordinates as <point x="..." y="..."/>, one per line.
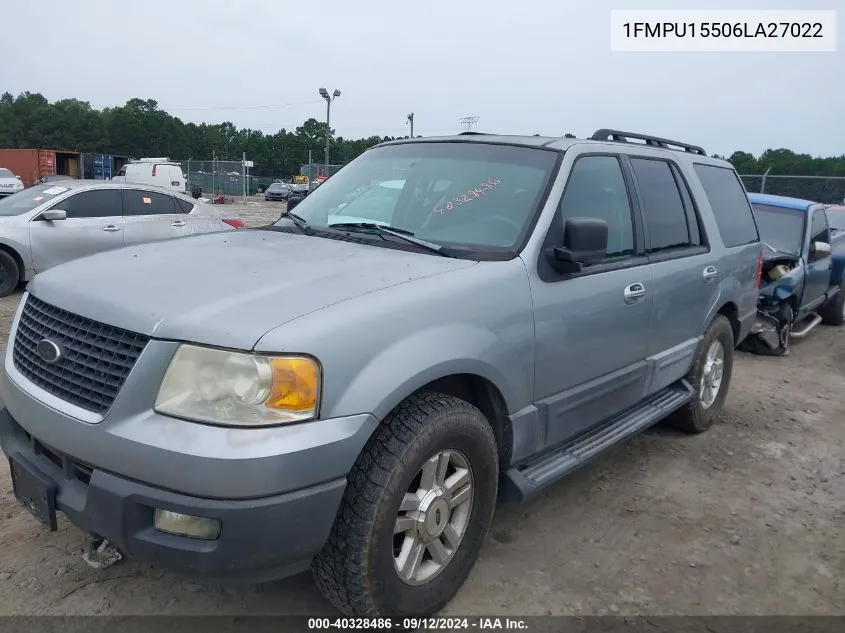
<point x="28" y="199"/>
<point x="780" y="228"/>
<point x="476" y="195"/>
<point x="5" y="173"/>
<point x="276" y="186"/>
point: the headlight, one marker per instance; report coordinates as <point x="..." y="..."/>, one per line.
<point x="239" y="389"/>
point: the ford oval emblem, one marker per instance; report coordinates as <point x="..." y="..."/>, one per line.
<point x="49" y="351"/>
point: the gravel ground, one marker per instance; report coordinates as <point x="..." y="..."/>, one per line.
<point x="748" y="518"/>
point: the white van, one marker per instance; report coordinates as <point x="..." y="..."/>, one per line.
<point x="160" y="172"/>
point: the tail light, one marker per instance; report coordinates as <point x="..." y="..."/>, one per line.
<point x="238" y="224"/>
<point x="758" y="277"/>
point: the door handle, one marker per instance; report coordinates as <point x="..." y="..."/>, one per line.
<point x="634" y="292"/>
<point x="178" y="223"/>
<point x="111" y="228"/>
<point x="709" y="273"/>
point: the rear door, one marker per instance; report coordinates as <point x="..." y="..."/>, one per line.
<point x="150" y="216"/>
<point x="685" y="272"/>
<point x="94" y="223"/>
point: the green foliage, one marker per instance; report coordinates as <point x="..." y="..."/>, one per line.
<point x="139" y="128"/>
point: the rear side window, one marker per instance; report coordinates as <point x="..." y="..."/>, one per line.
<point x="730" y="204"/>
<point x="184" y="205"/>
<point x="139" y="202"/>
<point x="664" y="212"/>
<point x="100" y="203"/>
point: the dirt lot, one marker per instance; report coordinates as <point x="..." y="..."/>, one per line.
<point x="746" y="519"/>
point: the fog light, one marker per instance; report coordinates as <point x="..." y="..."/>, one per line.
<point x="186" y="525"/>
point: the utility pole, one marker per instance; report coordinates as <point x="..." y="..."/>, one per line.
<point x="329" y="98"/>
<point x="411" y="121"/>
<point x="469" y="122"/>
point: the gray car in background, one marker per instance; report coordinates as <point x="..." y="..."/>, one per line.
<point x="55" y="222"/>
<point x="351" y="388"/>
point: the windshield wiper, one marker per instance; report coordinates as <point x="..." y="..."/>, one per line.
<point x="402" y="234"/>
<point x="299" y="221"/>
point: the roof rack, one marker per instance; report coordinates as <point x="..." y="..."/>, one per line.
<point x="653" y="141"/>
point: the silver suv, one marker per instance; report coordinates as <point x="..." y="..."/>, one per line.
<point x="351" y="388"/>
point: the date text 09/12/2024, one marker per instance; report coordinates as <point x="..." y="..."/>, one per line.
<point x="774" y="30"/>
<point x="457" y="623"/>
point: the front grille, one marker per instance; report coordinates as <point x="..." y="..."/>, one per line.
<point x="95" y="361"/>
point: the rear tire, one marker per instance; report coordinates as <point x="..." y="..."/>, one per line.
<point x="710" y="378"/>
<point x="415" y="513"/>
<point x="10" y="274"/>
<point x="833" y="312"/>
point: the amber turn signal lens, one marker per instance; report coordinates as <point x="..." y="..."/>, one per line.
<point x="296" y="383"/>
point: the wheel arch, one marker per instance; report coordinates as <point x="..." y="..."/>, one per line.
<point x="730" y="311"/>
<point x="14" y="254"/>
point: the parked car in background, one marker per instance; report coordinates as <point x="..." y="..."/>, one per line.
<point x="154" y="171"/>
<point x="348" y="395"/>
<point x="802" y="272"/>
<point x="49" y="224"/>
<point x="9" y="183"/>
<point x="277" y="191"/>
<point x="262" y="186"/>
<point x="56" y="178"/>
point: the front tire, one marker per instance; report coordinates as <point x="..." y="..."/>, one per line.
<point x="710" y="377"/>
<point x="415" y="513"/>
<point x="10" y="274"/>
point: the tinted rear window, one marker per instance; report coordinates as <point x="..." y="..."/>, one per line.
<point x="730" y="204"/>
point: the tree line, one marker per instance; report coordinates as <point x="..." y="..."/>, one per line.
<point x="140" y="128"/>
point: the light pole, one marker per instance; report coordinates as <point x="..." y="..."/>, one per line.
<point x="329" y="98"/>
<point x="411" y="121"/>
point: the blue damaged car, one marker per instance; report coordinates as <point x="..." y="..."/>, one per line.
<point x="802" y="283"/>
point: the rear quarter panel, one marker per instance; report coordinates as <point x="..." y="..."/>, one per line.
<point x="737" y="265"/>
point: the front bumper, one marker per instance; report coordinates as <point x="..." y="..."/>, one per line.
<point x="260" y="539"/>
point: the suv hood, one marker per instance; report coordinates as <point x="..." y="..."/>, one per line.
<point x="227" y="289"/>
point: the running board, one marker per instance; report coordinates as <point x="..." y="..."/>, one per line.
<point x="812" y="322"/>
<point x="522" y="482"/>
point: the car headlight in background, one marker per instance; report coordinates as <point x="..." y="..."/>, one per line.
<point x="238" y="388"/>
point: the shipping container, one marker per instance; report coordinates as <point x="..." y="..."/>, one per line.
<point x="29" y="164"/>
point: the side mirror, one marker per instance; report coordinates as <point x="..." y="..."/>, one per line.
<point x="54" y="214"/>
<point x="819" y="250"/>
<point x="292" y="202"/>
<point x="584" y="243"/>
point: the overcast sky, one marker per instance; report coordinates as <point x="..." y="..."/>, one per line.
<point x="524" y="66"/>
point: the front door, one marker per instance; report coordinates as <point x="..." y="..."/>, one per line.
<point x="817" y="281"/>
<point x="94" y="223"/>
<point x="152" y="216"/>
<point x="592" y="328"/>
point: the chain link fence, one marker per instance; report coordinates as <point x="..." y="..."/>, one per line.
<point x="826" y="189"/>
<point x="215" y="178"/>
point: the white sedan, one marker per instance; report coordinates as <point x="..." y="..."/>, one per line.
<point x="52" y="223"/>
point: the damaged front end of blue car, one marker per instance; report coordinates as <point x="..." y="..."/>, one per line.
<point x="770" y="332"/>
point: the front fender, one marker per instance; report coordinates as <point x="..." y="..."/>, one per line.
<point x="412" y="362"/>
